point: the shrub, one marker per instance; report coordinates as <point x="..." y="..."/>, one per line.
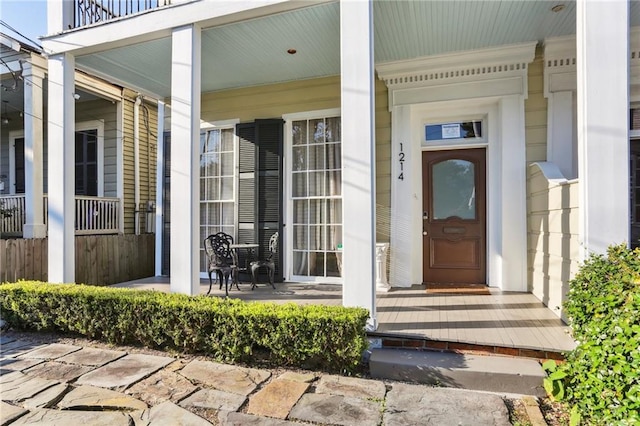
<point x="326" y="337"/>
<point x="603" y="307"/>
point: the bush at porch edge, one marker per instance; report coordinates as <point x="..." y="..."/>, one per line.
<point x="313" y="336"/>
<point x="603" y="306"/>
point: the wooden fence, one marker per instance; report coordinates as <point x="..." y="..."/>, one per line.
<point x="100" y="259"/>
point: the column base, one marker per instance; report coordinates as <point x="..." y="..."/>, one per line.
<point x="33" y="230"/>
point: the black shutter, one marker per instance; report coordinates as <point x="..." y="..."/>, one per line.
<point x="19" y="162"/>
<point x="260" y="198"/>
<point x="166" y="205"/>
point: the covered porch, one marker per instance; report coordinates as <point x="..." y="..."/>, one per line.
<point x="504" y="323"/>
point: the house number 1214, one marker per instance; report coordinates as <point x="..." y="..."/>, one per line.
<point x="401" y="160"/>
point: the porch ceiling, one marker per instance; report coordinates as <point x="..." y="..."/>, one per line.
<point x="255" y="52"/>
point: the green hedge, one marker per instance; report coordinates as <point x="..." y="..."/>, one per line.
<point x="603" y="307"/>
<point x="230" y="330"/>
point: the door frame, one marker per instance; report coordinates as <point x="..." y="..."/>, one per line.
<point x="506" y="222"/>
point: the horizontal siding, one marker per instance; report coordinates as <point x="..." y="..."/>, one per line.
<point x="147" y="164"/>
<point x="553" y="222"/>
<point x="274" y="101"/>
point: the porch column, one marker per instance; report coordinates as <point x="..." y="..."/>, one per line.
<point x="61" y="168"/>
<point x="358" y="155"/>
<point x="602" y="39"/>
<point x="159" y="188"/>
<point x="33" y="143"/>
<point x="185" y="159"/>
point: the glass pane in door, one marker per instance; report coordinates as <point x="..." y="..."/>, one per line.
<point x="454" y="191"/>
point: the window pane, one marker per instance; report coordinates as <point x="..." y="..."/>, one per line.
<point x="299" y="130"/>
<point x="299" y="158"/>
<point x="316" y="238"/>
<point x="212" y="189"/>
<point x="92" y="152"/>
<point x="334" y="153"/>
<point x="227" y="140"/>
<point x="300" y="211"/>
<point x="316" y="211"/>
<point x="227" y="188"/>
<point x="316" y="184"/>
<point x="228" y="214"/>
<point x="454" y="192"/>
<point x="333" y="129"/>
<point x="300" y="237"/>
<point x="334" y="182"/>
<point x="334" y="237"/>
<point x="300" y="265"/>
<point x="226" y="162"/>
<point x="317" y="127"/>
<point x="334" y="211"/>
<point x="213" y="141"/>
<point x="334" y="264"/>
<point x="316" y="264"/>
<point x="316" y="157"/>
<point x="299" y="184"/>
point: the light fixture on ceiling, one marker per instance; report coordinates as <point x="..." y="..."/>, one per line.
<point x="5" y="117"/>
<point x="292" y="51"/>
<point x="558" y="8"/>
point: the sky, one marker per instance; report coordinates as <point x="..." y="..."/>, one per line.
<point x="28" y="17"/>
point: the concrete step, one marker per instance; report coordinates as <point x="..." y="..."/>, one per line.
<point x="465" y="371"/>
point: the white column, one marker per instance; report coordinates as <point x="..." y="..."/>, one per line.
<point x="602" y="39"/>
<point x="185" y="159"/>
<point x="159" y="187"/>
<point x="33" y="143"/>
<point x="513" y="229"/>
<point x="560" y="132"/>
<point x="59" y="15"/>
<point x="61" y="168"/>
<point x="358" y="155"/>
<point x="120" y="162"/>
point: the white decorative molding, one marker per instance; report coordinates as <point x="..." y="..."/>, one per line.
<point x="560" y="62"/>
<point x="458" y="66"/>
<point x="496" y="71"/>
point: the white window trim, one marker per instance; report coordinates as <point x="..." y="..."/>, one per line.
<point x="97" y="125"/>
<point x="287" y="247"/>
<point x="225" y="124"/>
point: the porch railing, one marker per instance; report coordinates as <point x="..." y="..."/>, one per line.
<point x="89" y="12"/>
<point x="93" y="215"/>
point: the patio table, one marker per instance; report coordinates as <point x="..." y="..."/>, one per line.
<point x="250" y="250"/>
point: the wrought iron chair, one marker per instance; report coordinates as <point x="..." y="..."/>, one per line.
<point x="222" y="260"/>
<point x="268" y="263"/>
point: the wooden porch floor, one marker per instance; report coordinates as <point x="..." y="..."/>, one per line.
<point x="500" y="319"/>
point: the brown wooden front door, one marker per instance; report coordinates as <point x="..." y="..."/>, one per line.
<point x="453" y="217"/>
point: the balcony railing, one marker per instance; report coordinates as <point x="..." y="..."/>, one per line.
<point x="93" y="215"/>
<point x="89" y="12"/>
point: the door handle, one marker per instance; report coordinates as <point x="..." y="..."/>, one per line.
<point x="425" y="215"/>
<point x="425" y="233"/>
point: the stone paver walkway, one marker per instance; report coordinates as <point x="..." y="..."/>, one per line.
<point x="61" y="384"/>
